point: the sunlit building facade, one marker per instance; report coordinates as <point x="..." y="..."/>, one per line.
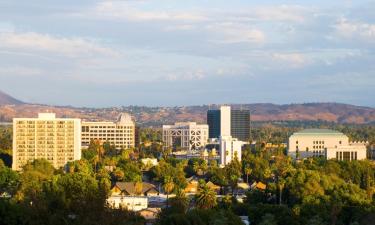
<point x="186" y="135"/>
<point x="56" y="139"/>
<point x="325" y="143"/>
<point x="120" y="134"/>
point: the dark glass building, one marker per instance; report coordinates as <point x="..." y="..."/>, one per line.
<point x="213" y="121"/>
<point x="240" y="124"/>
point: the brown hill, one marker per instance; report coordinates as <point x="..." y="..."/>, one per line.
<point x="6" y="99"/>
<point x="155" y="116"/>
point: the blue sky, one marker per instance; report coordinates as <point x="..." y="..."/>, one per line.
<point x="139" y="52"/>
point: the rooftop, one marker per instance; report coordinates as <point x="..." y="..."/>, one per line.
<point x="318" y="132"/>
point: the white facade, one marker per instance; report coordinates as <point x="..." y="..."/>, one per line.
<point x="132" y="203"/>
<point x="230" y="148"/>
<point x="56" y="139"/>
<point x="225" y="121"/>
<point x="120" y="134"/>
<point x="325" y="143"/>
<point x="149" y="161"/>
<point x="187" y="135"/>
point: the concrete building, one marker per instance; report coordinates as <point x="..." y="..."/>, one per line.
<point x="56" y="139"/>
<point x="186" y="135"/>
<point x="230" y="148"/>
<point x="229" y="122"/>
<point x="325" y="143"/>
<point x="120" y="134"/>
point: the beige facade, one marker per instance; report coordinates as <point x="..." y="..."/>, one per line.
<point x="187" y="135"/>
<point x="120" y="134"/>
<point x="56" y="139"/>
<point x="325" y="143"/>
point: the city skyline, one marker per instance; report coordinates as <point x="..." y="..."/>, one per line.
<point x="112" y="53"/>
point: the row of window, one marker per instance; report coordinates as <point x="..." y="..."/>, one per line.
<point x="346" y="156"/>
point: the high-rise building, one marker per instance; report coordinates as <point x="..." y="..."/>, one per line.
<point x="325" y="143"/>
<point x="56" y="139"/>
<point x="229" y="122"/>
<point x="186" y="135"/>
<point x="240" y="124"/>
<point x="120" y="134"/>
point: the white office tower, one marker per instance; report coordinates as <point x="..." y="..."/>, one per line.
<point x="186" y="135"/>
<point x="230" y="148"/>
<point x="225" y="121"/>
<point x="325" y="143"/>
<point x="56" y="139"/>
<point x="120" y="134"/>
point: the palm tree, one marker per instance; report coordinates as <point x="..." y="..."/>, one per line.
<point x="206" y="197"/>
<point x="248" y="171"/>
<point x="281" y="188"/>
<point x="168" y="186"/>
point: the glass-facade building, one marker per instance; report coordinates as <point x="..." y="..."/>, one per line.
<point x="239" y="123"/>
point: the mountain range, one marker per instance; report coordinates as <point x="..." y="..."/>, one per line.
<point x="155" y="116"/>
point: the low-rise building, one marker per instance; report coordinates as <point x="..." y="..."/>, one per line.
<point x="185" y="136"/>
<point x="120" y="134"/>
<point x="325" y="143"/>
<point x="131" y="196"/>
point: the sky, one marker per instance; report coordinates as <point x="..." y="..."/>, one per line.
<point x="168" y="52"/>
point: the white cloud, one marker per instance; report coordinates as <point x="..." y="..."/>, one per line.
<point x="19" y="71"/>
<point x="355" y="30"/>
<point x="294" y="60"/>
<point x="236" y="33"/>
<point x="124" y="10"/>
<point x="286" y="13"/>
<point x="72" y="47"/>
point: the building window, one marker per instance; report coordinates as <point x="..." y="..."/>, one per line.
<point x="337" y="155"/>
<point x="297" y="142"/>
<point x="346" y="156"/>
<point x="307" y="149"/>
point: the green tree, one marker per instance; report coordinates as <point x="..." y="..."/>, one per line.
<point x="206" y="197"/>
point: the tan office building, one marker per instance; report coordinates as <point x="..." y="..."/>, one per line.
<point x="56" y="139"/>
<point x="325" y="143"/>
<point x="120" y="134"/>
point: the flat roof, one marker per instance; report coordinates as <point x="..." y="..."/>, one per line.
<point x="318" y="132"/>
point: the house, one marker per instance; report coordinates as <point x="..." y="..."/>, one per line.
<point x="258" y="186"/>
<point x="130" y="189"/>
<point x="132" y="203"/>
<point x="242" y="188"/>
<point x="149" y="162"/>
<point x="213" y="187"/>
<point x="131" y="196"/>
<point x="192" y="185"/>
<point x="150" y="214"/>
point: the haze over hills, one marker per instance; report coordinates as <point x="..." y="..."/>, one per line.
<point x="332" y="112"/>
<point x="6" y="99"/>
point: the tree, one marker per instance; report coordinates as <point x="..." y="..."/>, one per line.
<point x="233" y="172"/>
<point x="268" y="219"/>
<point x="168" y="187"/>
<point x="205" y="198"/>
<point x="247" y="171"/>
